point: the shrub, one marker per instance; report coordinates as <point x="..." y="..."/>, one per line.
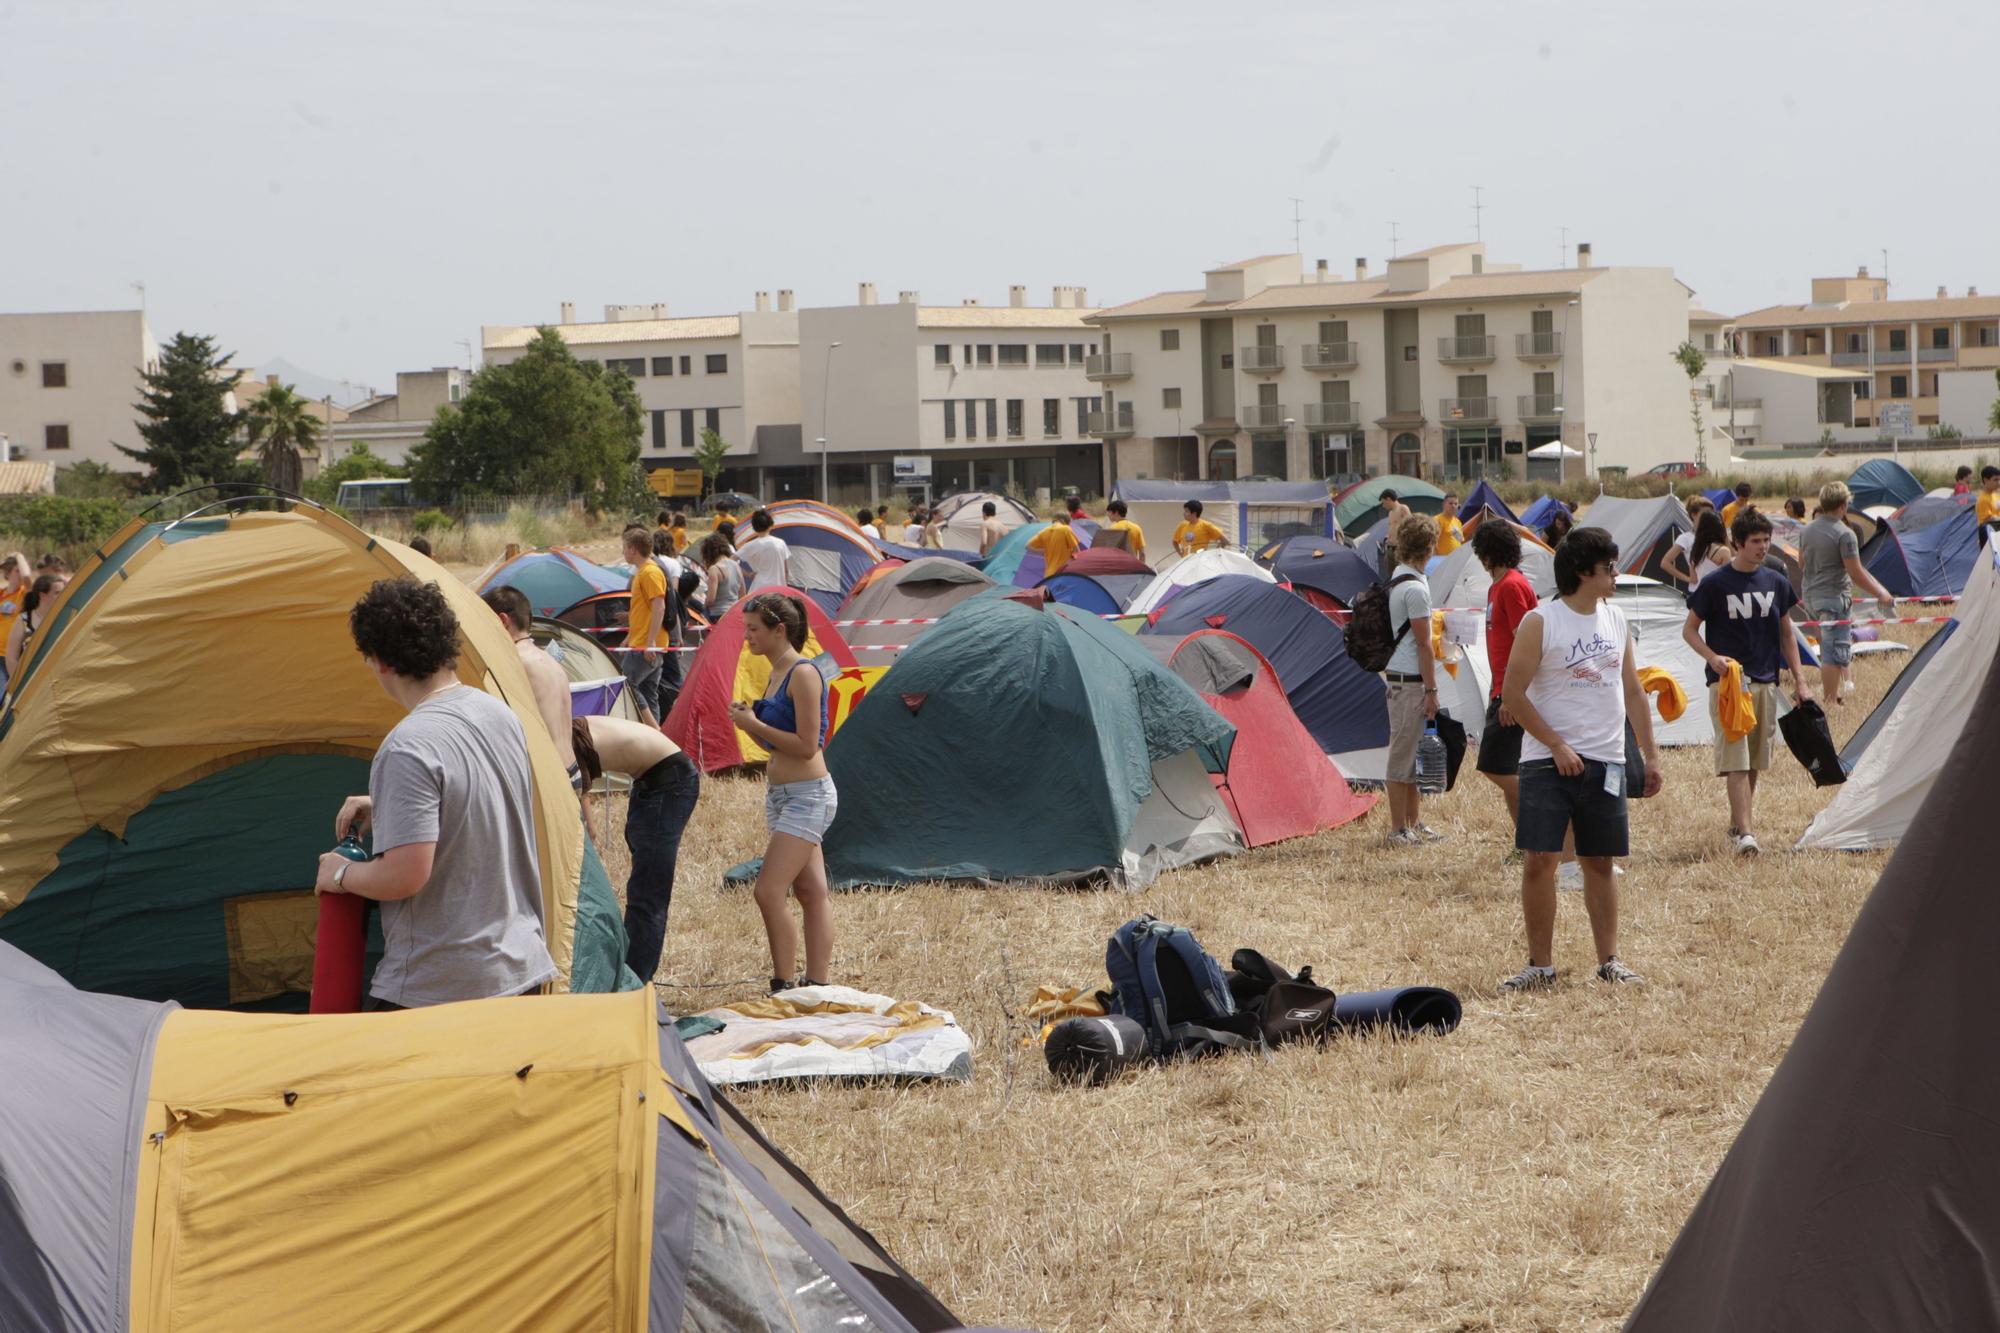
<point x="426" y="521"/>
<point x="56" y="520"/>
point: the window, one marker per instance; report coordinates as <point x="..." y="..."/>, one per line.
<point x="1267" y="395"/>
<point x="1987" y="333"/>
<point x="992" y="418"/>
<point x="659" y="428"/>
<point x="718" y="363"/>
<point x="1083" y="416"/>
<point x="1267" y="335"/>
<point x="1076" y="354"/>
<point x="684" y="365"/>
<point x="1048" y="354"/>
<point x="968" y="354"/>
<point x="635" y="366"/>
<point x="1170" y="340"/>
<point x="1544" y="321"/>
<point x="1854" y="343"/>
<point x="55" y="375"/>
<point x="1170" y="398"/>
<point x="1014" y="414"/>
<point x="1013" y="354"/>
<point x="1470" y="326"/>
<point x="1899" y="386"/>
<point x="1267" y="456"/>
<point x="985" y="354"/>
<point x="941" y="354"/>
<point x="1899" y="340"/>
<point x="1927" y="384"/>
<point x="1051" y="416"/>
<point x="663" y="365"/>
<point x="1940" y="338"/>
<point x="711" y="419"/>
<point x="1774" y="346"/>
<point x="457" y="390"/>
<point x="687" y="428"/>
<point x="950" y="419"/>
<point x="1333" y="330"/>
<point x="1862" y="388"/>
<point x="55" y="437"/>
<point x="1708" y="342"/>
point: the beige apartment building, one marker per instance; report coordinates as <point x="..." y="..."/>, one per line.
<point x="393" y="424"/>
<point x="991" y="397"/>
<point x="1443" y="365"/>
<point x="68" y="382"/>
<point x="737" y="375"/>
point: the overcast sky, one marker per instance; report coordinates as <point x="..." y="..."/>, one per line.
<point x="355" y="186"/>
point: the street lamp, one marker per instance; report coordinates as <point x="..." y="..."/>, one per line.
<point x="825" y="384"/>
<point x="1592" y="437"/>
<point x="1289" y="423"/>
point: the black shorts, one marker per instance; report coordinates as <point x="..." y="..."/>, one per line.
<point x="1552" y="805"/>
<point x="1499" y="747"/>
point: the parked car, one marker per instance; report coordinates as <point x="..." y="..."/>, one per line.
<point x="1674" y="470"/>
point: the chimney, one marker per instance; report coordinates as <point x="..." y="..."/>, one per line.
<point x="1583" y="254"/>
<point x="970" y="300"/>
<point x="1361" y="268"/>
<point x="784" y="299"/>
<point x="1017" y="296"/>
<point x="271" y="381"/>
<point x="568" y="313"/>
<point x="1082" y="298"/>
<point x="909" y="298"/>
<point x="867" y="293"/>
<point x="1971" y="291"/>
<point x="1319" y="272"/>
<point x="1861" y="272"/>
<point x="763" y="302"/>
<point x="1941" y="291"/>
<point x="659" y="310"/>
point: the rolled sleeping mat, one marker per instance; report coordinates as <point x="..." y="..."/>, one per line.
<point x="1407" y="1009"/>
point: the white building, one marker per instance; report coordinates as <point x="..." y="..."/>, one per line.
<point x="68" y="382"/>
<point x="1443" y="366"/>
<point x="393" y="424"/>
<point x="994" y="396"/>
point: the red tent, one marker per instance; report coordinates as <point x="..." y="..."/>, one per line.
<point x="722" y="672"/>
<point x="1276" y="780"/>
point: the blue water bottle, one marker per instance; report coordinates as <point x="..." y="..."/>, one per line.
<point x="1430" y="761"/>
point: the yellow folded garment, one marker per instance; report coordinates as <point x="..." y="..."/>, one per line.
<point x="1438" y="645"/>
<point x="1739" y="715"/>
<point x="1672" y="700"/>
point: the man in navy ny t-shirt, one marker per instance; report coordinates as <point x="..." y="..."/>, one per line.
<point x="1743" y="608"/>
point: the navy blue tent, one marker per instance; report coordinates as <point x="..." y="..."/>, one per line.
<point x="1345" y="708"/>
<point x="1485" y="497"/>
<point x="1883" y="481"/>
<point x="1320" y="563"/>
<point x="1928" y="511"/>
<point x="1886" y="560"/>
<point x="1538" y="514"/>
<point x="1722" y="497"/>
<point x="1933" y="561"/>
<point x="1104" y="594"/>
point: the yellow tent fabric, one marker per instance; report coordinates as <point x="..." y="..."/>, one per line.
<point x="846" y="691"/>
<point x="201" y="653"/>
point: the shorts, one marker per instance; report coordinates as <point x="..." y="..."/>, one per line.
<point x="642" y="675"/>
<point x="1406" y="728"/>
<point x="1552" y="805"/>
<point x="1836" y="642"/>
<point x="1751" y="754"/>
<point x="1499" y="747"/>
<point x="803" y="809"/>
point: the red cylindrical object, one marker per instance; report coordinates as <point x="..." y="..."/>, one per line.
<point x="339" y="954"/>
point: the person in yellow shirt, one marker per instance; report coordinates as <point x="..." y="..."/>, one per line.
<point x="1116" y="520"/>
<point x="1989" y="494"/>
<point x="1451" y="533"/>
<point x="13" y="593"/>
<point x="1736" y="506"/>
<point x="1196" y="533"/>
<point x="1056" y="542"/>
<point x="647" y="625"/>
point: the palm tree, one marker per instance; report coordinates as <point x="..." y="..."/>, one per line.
<point x="278" y="425"/>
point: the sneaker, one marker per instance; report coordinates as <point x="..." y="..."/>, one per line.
<point x="1614" y="971"/>
<point x="780" y="984"/>
<point x="1406" y="837"/>
<point x="1426" y="833"/>
<point x="1746" y="844"/>
<point x="1529" y="978"/>
<point x="1569" y="877"/>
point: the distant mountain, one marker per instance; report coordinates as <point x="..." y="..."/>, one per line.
<point x="344" y="393"/>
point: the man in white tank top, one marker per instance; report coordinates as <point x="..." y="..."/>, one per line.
<point x="1572" y="683"/>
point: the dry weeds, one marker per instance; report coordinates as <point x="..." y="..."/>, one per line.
<point x="1527" y="1172"/>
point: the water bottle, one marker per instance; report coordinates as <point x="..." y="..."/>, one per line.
<point x="340" y="943"/>
<point x="1430" y="761"/>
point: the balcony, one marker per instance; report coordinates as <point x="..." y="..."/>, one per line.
<point x="1937" y="354"/>
<point x="1460" y="411"/>
<point x="1478" y="348"/>
<point x="1260" y="359"/>
<point x="1892" y="356"/>
<point x="1850" y="358"/>
<point x="1261" y="416"/>
<point x="1333" y="416"/>
<point x="1540" y="346"/>
<point x="1539" y="406"/>
<point x="1330" y="356"/>
<point x="1110" y="366"/>
<point x="1111" y="425"/>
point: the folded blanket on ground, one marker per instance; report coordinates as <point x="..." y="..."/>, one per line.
<point x="832" y="1032"/>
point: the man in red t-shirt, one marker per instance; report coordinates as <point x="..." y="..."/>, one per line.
<point x="1498" y="548"/>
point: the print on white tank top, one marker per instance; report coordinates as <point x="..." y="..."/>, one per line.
<point x="1579" y="685"/>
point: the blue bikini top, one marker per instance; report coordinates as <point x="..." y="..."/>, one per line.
<point x="776" y="710"/>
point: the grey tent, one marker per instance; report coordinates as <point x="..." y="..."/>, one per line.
<point x="1644" y="530"/>
<point x="1864" y="1190"/>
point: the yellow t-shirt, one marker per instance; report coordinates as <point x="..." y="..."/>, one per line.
<point x="1197" y="536"/>
<point x="1988" y="506"/>
<point x="1451" y="535"/>
<point x="1057" y="544"/>
<point x="1135" y="540"/>
<point x="1731" y="510"/>
<point x="649" y="585"/>
<point x="10" y="610"/>
<point x="680" y="536"/>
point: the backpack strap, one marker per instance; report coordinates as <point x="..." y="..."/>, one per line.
<point x="1181" y="1033"/>
<point x="1397" y="642"/>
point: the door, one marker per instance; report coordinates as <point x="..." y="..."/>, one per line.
<point x="1406" y="456"/>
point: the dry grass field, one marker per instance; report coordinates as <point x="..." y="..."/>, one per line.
<point x="1524" y="1173"/>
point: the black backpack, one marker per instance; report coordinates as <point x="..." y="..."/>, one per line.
<point x="1369" y="640"/>
<point x="1287" y="1007"/>
<point x="1162" y="979"/>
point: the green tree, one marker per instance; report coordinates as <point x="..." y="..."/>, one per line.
<point x="543" y="424"/>
<point x="88" y="479"/>
<point x="1693" y="362"/>
<point x="185" y="421"/>
<point x="358" y="464"/>
<point x="708" y="456"/>
<point x="279" y="426"/>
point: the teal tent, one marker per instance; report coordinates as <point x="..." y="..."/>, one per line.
<point x="1024" y="742"/>
<point x="1356" y="509"/>
<point x="1882" y="481"/>
<point x="1005" y="558"/>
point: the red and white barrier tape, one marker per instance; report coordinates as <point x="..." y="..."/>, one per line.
<point x="1881" y="620"/>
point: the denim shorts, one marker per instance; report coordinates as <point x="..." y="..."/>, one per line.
<point x="803" y="809"/>
<point x="1552" y="804"/>
<point x="1836" y="642"/>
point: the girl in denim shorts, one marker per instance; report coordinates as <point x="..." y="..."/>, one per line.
<point x="790" y="721"/>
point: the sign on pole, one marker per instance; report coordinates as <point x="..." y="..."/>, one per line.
<point x="911" y="469"/>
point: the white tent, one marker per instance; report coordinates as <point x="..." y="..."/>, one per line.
<point x="1197" y="568"/>
<point x="963" y="519"/>
<point x="1896" y="769"/>
<point x="1656" y="613"/>
<point x="1458" y="588"/>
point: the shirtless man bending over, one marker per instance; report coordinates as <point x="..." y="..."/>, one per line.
<point x="545" y="677"/>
